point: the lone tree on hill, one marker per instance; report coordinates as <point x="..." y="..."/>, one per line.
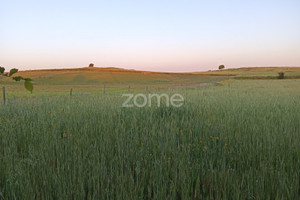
<point x="221" y="67"/>
<point x="91" y="65"/>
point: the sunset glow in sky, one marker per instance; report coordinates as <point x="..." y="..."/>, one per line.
<point x="156" y="35"/>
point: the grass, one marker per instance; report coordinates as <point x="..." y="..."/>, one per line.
<point x="238" y="140"/>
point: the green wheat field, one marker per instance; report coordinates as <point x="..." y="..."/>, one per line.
<point x="237" y="138"/>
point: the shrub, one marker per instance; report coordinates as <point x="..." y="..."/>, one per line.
<point x="27" y="81"/>
<point x="281" y="75"/>
<point x="91" y="65"/>
<point x="221" y="67"/>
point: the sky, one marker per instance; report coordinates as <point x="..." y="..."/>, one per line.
<point x="154" y="35"/>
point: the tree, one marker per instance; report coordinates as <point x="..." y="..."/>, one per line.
<point x="27" y="81"/>
<point x="221" y="67"/>
<point x="91" y="65"/>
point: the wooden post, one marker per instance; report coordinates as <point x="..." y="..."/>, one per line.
<point x="71" y="92"/>
<point x="4" y="97"/>
<point x="104" y="89"/>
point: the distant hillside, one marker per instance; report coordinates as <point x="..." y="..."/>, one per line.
<point x="112" y="76"/>
<point x="256" y="72"/>
<point x="93" y="80"/>
<point x="118" y="76"/>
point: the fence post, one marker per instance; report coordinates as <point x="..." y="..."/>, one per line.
<point x="104" y="89"/>
<point x="4" y="97"/>
<point x="71" y="92"/>
<point x="129" y="88"/>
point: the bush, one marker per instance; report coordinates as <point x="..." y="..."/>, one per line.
<point x="91" y="65"/>
<point x="221" y="67"/>
<point x="281" y="75"/>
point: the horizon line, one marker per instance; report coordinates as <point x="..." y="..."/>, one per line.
<point x="132" y="69"/>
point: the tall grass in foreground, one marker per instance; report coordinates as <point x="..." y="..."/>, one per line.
<point x="224" y="143"/>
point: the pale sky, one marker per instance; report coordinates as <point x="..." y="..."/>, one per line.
<point x="155" y="35"/>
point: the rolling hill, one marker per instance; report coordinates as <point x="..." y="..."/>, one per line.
<point x="59" y="81"/>
<point x="113" y="76"/>
<point x="256" y="72"/>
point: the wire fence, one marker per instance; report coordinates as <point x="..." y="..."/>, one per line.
<point x="98" y="90"/>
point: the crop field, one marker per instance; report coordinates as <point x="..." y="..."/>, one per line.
<point x="238" y="139"/>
